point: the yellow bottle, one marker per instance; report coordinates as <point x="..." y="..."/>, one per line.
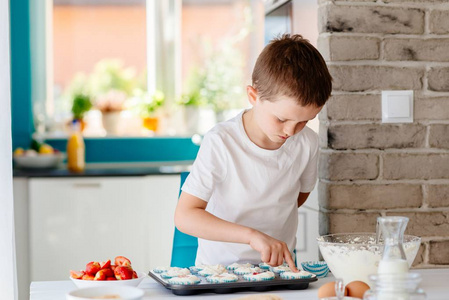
<point x="76" y="149"/>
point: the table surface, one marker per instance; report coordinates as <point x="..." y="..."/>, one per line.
<point x="108" y="170"/>
<point x="435" y="284"/>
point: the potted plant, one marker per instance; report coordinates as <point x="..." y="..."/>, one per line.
<point x="111" y="105"/>
<point x="149" y="104"/>
<point x="222" y="86"/>
<point x="112" y="84"/>
<point x="199" y="116"/>
<point x="80" y="106"/>
<point x="109" y="85"/>
<point x="214" y="88"/>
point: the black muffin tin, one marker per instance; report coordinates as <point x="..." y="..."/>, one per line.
<point x="233" y="287"/>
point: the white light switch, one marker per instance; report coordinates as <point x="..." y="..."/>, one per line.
<point x="397" y="106"/>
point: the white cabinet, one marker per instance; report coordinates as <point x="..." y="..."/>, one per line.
<point x="77" y="220"/>
<point x="162" y="192"/>
<point x="21" y="224"/>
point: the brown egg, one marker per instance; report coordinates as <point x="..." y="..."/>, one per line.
<point x="356" y="289"/>
<point x="328" y="290"/>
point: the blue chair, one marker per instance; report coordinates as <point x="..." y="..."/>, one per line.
<point x="184" y="245"/>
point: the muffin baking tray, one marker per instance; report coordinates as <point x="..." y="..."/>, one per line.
<point x="232" y="287"/>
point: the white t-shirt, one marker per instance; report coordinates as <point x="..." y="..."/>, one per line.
<point x="251" y="186"/>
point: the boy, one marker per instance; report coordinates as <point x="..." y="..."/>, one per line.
<point x="253" y="171"/>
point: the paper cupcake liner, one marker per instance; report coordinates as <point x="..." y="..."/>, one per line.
<point x="247" y="278"/>
<point x="180" y="281"/>
<point x="291" y="275"/>
<point x="221" y="280"/>
<point x="234" y="266"/>
<point x="319" y="268"/>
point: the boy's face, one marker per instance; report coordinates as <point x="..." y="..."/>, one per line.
<point x="280" y="119"/>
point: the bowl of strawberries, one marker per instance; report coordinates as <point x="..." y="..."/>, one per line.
<point x="102" y="274"/>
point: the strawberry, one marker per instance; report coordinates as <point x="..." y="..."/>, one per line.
<point x="105" y="264"/>
<point x="108" y="272"/>
<point x="104" y="270"/>
<point x="92" y="268"/>
<point x="122" y="261"/>
<point x="77" y="275"/>
<point x="123" y="272"/>
<point x="87" y="277"/>
<point x="103" y="274"/>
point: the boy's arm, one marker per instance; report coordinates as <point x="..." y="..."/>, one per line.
<point x="302" y="198"/>
<point x="192" y="218"/>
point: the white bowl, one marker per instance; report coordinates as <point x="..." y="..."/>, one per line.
<point x="355" y="256"/>
<point x="109" y="283"/>
<point x="41" y="161"/>
<point x="124" y="293"/>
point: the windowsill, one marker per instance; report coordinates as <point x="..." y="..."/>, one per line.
<point x="120" y="149"/>
<point x="64" y="136"/>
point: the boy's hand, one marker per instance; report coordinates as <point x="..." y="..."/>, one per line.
<point x="272" y="251"/>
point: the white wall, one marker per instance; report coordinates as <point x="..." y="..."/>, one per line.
<point x="305" y="19"/>
<point x="305" y="22"/>
<point x="7" y="257"/>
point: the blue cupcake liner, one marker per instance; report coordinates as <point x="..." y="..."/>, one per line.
<point x="264" y="266"/>
<point x="168" y="276"/>
<point x="195" y="269"/>
<point x="214" y="280"/>
<point x="242" y="272"/>
<point x="220" y="281"/>
<point x="206" y="274"/>
<point x="247" y="278"/>
<point x="174" y="280"/>
<point x="319" y="268"/>
<point x="289" y="277"/>
<point x="232" y="268"/>
<point x="160" y="270"/>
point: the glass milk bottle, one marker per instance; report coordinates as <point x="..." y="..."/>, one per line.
<point x="395" y="287"/>
<point x="393" y="259"/>
<point x="75" y="149"/>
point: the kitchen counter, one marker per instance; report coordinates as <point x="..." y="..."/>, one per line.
<point x="434" y="284"/>
<point x="106" y="170"/>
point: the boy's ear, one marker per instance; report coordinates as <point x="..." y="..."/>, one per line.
<point x="252" y="94"/>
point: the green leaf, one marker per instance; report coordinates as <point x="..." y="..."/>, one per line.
<point x="81" y="105"/>
<point x="35" y="145"/>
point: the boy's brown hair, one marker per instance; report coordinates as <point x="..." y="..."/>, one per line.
<point x="290" y="66"/>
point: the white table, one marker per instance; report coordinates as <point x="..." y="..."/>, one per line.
<point x="435" y="283"/>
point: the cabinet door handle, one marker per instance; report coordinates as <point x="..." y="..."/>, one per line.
<point x="93" y="185"/>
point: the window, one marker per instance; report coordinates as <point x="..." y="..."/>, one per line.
<point x="99" y="51"/>
<point x="142" y="67"/>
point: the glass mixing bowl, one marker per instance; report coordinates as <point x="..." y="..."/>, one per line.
<point x="355" y="256"/>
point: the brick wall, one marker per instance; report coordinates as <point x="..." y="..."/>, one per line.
<point x="368" y="169"/>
